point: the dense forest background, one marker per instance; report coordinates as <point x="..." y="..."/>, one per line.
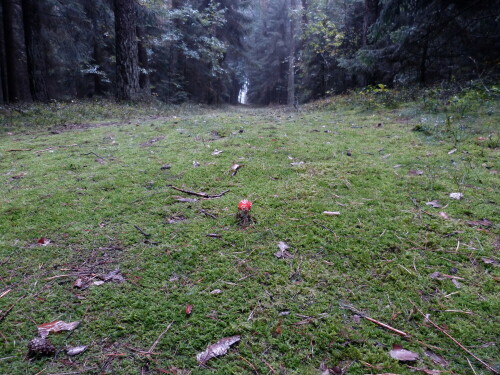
<point x="275" y="51"/>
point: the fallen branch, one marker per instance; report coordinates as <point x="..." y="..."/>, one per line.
<point x="153" y="347"/>
<point x="19" y="149"/>
<point x="93" y="153"/>
<point x="203" y="195"/>
<point x="4" y="315"/>
<point x="147" y="235"/>
<point x="386" y="326"/>
<point x="427" y="319"/>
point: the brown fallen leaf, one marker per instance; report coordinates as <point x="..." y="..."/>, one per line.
<point x="282" y="252"/>
<point x="76" y="350"/>
<point x="152" y="141"/>
<point x="402" y="355"/>
<point x="444" y="215"/>
<point x="187" y="200"/>
<point x="221" y="347"/>
<point x="19" y="176"/>
<point x="434" y="204"/>
<point x="490" y="261"/>
<point x="437" y="359"/>
<point x="234" y="169"/>
<point x="55" y="327"/>
<point x="113" y="276"/>
<point x="480" y="223"/>
<point x="456" y="283"/>
<point x="415" y="172"/>
<point x="443" y="276"/>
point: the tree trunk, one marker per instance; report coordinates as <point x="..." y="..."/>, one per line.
<point x="127" y="59"/>
<point x="36" y="62"/>
<point x="15" y="48"/>
<point x="144" y="81"/>
<point x="369" y="18"/>
<point x="291" y="57"/>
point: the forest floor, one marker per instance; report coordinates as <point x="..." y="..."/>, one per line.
<point x="93" y="231"/>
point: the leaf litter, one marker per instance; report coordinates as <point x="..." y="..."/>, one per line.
<point x="403" y="355"/>
<point x="282" y="253"/>
<point x="55" y="327"/>
<point x="218" y="349"/>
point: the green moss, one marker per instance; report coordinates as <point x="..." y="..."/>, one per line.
<point x="376" y="255"/>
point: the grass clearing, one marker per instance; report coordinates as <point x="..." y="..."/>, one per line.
<point x="92" y="190"/>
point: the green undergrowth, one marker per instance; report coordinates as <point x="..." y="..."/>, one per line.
<point x="100" y="195"/>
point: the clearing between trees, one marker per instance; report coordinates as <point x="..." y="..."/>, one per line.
<point x="375" y="227"/>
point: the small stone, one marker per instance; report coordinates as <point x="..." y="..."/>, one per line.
<point x="164" y="167"/>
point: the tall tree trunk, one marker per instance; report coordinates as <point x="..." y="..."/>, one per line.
<point x="3" y="64"/>
<point x="15" y="48"/>
<point x="369" y="18"/>
<point x="291" y="57"/>
<point x="36" y="62"/>
<point x="127" y="59"/>
<point x="144" y="81"/>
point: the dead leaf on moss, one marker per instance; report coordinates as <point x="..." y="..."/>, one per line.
<point x="283" y="253"/>
<point x="444" y="215"/>
<point x="56" y="327"/>
<point x="443" y="276"/>
<point x="415" y="172"/>
<point x="434" y="204"/>
<point x="218" y="349"/>
<point x="437" y="359"/>
<point x="490" y="261"/>
<point x="480" y="223"/>
<point x="402" y="355"/>
<point x="76" y="350"/>
<point x="235" y="168"/>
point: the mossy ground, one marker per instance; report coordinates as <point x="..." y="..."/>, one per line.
<point x="86" y="190"/>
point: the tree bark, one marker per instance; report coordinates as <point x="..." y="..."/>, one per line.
<point x="291" y="57"/>
<point x="16" y="56"/>
<point x="36" y="62"/>
<point x="144" y="81"/>
<point x="369" y="18"/>
<point x="127" y="57"/>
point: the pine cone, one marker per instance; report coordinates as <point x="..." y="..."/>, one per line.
<point x="40" y="346"/>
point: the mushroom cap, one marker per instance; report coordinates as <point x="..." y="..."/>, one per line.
<point x="245" y="205"/>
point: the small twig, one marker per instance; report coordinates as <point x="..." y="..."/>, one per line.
<point x="5" y="293"/>
<point x="93" y="153"/>
<point x="206" y="213"/>
<point x="147" y="235"/>
<point x="4" y="315"/>
<point x="203" y="195"/>
<point x="427" y="319"/>
<point x="325" y="227"/>
<point x="57" y="277"/>
<point x="268" y="365"/>
<point x="248" y="362"/>
<point x="397" y="331"/>
<point x="401" y="333"/>
<point x="19" y="149"/>
<point x="470" y="364"/>
<point x="159" y="338"/>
